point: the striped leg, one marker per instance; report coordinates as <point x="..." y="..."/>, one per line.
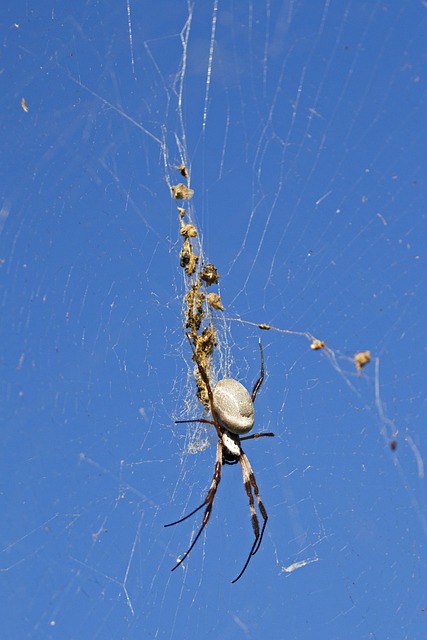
<point x="208" y="501"/>
<point x="250" y="484"/>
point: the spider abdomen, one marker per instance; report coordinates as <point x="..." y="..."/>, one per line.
<point x="233" y="406"/>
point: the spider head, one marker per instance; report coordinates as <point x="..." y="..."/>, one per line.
<point x="231" y="450"/>
<point x="233" y="406"/>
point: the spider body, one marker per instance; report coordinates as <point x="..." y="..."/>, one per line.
<point x="233" y="414"/>
<point x="234" y="407"/>
<point x="231" y="448"/>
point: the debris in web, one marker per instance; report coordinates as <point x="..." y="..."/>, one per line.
<point x="215" y="301"/>
<point x="198" y="303"/>
<point x="317" y="344"/>
<point x="182" y="192"/>
<point x="361" y="359"/>
<point x="183" y="171"/>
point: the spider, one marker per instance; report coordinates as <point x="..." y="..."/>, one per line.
<point x="232" y="411"/>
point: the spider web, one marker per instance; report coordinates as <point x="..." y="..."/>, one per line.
<point x="303" y="131"/>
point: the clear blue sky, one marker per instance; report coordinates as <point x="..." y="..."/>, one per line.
<point x="304" y="128"/>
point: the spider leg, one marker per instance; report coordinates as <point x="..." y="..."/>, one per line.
<point x="258" y="435"/>
<point x="195" y="420"/>
<point x="208" y="501"/>
<point x="260" y="380"/>
<point x="259" y="501"/>
<point x="250" y="483"/>
<point x="171" y="524"/>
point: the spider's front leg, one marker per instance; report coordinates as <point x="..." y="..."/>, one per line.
<point x="250" y="483"/>
<point x="208" y="501"/>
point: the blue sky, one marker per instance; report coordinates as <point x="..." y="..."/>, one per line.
<point x="304" y="131"/>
